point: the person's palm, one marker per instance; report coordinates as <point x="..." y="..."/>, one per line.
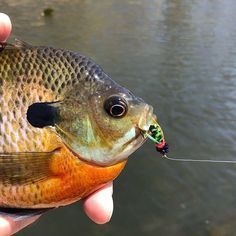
<point x="98" y="206"/>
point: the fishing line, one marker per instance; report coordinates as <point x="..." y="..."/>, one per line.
<point x="155" y="134"/>
<point x="198" y="160"/>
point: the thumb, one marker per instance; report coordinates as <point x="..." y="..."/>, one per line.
<point x="9" y="227"/>
<point x="99" y="205"/>
<point x="5" y="27"/>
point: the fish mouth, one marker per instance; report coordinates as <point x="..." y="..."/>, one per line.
<point x="147" y="118"/>
<point x="136" y="141"/>
<point x="129" y="147"/>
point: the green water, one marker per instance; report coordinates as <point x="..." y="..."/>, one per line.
<point x="180" y="56"/>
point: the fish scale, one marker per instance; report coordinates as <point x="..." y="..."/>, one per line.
<point x="34" y="80"/>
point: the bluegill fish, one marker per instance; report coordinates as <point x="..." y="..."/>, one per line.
<point x="66" y="128"/>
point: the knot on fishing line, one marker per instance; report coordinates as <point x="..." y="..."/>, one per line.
<point x="163" y="148"/>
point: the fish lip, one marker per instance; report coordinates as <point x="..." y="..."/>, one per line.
<point x="146" y="119"/>
<point x="136" y="142"/>
<point x="138" y="134"/>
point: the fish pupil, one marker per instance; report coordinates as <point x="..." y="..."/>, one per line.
<point x="116" y="106"/>
<point x="117" y="110"/>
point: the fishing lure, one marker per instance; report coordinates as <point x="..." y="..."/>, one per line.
<point x="155" y="133"/>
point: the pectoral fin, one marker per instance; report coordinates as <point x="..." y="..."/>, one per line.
<point x="25" y="167"/>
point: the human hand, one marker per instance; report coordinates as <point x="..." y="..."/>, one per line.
<point x="98" y="206"/>
<point x="5" y="27"/>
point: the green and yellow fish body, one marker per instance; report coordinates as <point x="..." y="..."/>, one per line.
<point x="66" y="128"/>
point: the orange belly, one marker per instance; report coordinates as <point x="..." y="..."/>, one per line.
<point x="78" y="178"/>
<point x="70" y="180"/>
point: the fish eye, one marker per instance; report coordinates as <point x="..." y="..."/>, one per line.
<point x="116" y="106"/>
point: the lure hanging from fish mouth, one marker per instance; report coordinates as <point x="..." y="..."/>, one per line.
<point x="155" y="134"/>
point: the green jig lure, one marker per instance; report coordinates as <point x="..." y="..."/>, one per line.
<point x="155" y="133"/>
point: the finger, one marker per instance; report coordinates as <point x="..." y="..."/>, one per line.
<point x="9" y="226"/>
<point x="5" y="27"/>
<point x="99" y="205"/>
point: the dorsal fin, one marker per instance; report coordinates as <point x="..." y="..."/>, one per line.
<point x="19" y="44"/>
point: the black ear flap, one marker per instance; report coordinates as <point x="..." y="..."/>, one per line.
<point x="42" y="114"/>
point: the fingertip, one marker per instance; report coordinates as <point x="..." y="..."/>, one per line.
<point x="5" y="227"/>
<point x="5" y="27"/>
<point x="9" y="227"/>
<point x="99" y="205"/>
<point x="19" y="225"/>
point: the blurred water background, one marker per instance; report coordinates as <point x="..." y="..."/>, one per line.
<point x="180" y="56"/>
